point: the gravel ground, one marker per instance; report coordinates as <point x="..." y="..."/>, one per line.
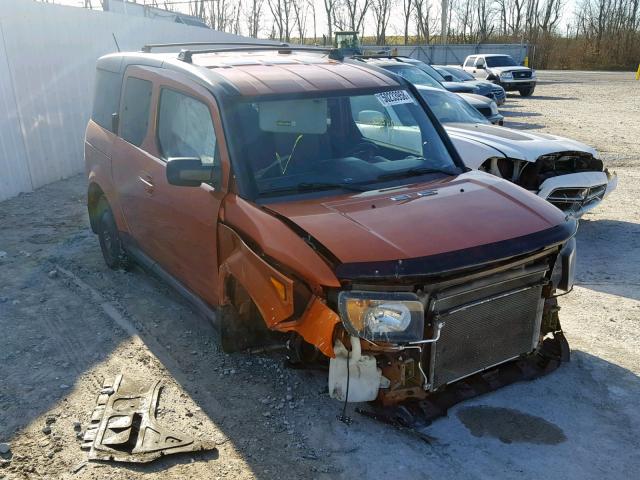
<point x="67" y="322"/>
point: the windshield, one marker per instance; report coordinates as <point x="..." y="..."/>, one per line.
<point x="450" y="108"/>
<point x="501" y="61"/>
<point x="414" y="75"/>
<point x="458" y="74"/>
<point x="338" y="142"/>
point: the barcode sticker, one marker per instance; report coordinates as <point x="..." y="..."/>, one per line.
<point x="395" y="97"/>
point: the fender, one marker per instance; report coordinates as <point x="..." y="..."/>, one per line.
<point x="316" y="325"/>
<point x="256" y="276"/>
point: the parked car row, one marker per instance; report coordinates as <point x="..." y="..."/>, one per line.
<point x="350" y="209"/>
<point x="566" y="173"/>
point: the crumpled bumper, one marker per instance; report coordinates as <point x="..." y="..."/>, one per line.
<point x="577" y="193"/>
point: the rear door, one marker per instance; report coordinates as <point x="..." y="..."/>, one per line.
<point x="133" y="169"/>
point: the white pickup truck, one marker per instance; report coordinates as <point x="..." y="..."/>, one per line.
<point x="502" y="70"/>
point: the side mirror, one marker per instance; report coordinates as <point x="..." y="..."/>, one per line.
<point x="480" y="66"/>
<point x="372" y="117"/>
<point x="190" y="172"/>
<point x="448" y="78"/>
<point x="115" y="122"/>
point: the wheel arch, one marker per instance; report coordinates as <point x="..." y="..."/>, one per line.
<point x="94" y="193"/>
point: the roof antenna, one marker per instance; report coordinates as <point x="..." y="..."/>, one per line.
<point x="115" y="40"/>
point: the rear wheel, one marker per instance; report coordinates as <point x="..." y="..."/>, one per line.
<point x="527" y="92"/>
<point x="114" y="255"/>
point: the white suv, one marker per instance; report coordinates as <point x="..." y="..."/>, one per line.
<point x="502" y="70"/>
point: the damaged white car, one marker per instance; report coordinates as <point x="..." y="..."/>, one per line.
<point x="565" y="172"/>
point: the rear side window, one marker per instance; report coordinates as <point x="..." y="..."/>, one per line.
<point x="106" y="98"/>
<point x="470" y="61"/>
<point x="134" y="117"/>
<point x="185" y="127"/>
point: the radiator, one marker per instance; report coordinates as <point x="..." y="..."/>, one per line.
<point x="484" y="332"/>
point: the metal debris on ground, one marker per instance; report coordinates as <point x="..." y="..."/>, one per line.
<point x="124" y="428"/>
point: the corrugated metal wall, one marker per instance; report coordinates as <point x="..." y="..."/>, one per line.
<point x="47" y="62"/>
<point x="454" y="54"/>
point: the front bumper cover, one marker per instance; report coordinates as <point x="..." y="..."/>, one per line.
<point x="555" y="188"/>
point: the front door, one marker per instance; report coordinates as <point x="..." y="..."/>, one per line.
<point x="180" y="229"/>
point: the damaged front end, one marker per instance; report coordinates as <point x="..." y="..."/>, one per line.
<point x="573" y="181"/>
<point x="418" y="345"/>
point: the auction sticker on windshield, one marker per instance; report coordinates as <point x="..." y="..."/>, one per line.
<point x="395" y="97"/>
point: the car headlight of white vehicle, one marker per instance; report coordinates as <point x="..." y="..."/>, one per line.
<point x="384" y="316"/>
<point x="506" y="75"/>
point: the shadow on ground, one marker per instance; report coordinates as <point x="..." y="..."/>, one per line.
<point x="56" y="335"/>
<point x="604" y="267"/>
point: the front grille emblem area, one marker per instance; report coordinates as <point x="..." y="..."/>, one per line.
<point x="409" y="196"/>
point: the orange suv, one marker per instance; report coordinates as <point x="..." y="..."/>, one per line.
<point x="294" y="195"/>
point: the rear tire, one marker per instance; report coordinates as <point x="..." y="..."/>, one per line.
<point x="114" y="255"/>
<point x="527" y="92"/>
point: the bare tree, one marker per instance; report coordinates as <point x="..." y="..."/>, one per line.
<point x="355" y="11"/>
<point x="301" y="11"/>
<point x="424" y="19"/>
<point x="408" y="7"/>
<point x="282" y="17"/>
<point x="381" y="10"/>
<point x="253" y="15"/>
<point x="330" y="9"/>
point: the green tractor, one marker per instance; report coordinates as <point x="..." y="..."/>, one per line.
<point x="348" y="43"/>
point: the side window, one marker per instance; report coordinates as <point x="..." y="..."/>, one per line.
<point x="185" y="127"/>
<point x="470" y="61"/>
<point x="479" y="62"/>
<point x="392" y="126"/>
<point x="134" y="116"/>
<point x="106" y="98"/>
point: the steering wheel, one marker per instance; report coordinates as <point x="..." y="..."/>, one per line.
<point x="365" y="148"/>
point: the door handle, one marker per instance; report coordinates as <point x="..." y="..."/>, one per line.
<point x="147" y="182"/>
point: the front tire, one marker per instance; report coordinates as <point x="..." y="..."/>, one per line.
<point x="114" y="255"/>
<point x="527" y="92"/>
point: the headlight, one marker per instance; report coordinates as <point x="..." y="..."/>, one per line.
<point x="506" y="75"/>
<point x="494" y="108"/>
<point x="388" y="317"/>
<point x="564" y="270"/>
<point x="533" y="74"/>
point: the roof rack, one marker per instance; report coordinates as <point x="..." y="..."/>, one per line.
<point x="149" y="46"/>
<point x="377" y="55"/>
<point x="333" y="53"/>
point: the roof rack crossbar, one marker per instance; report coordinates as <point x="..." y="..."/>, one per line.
<point x="149" y="46"/>
<point x="334" y="53"/>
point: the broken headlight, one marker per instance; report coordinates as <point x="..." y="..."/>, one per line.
<point x="383" y="316"/>
<point x="564" y="270"/>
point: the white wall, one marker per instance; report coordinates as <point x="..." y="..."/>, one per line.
<point x="47" y="63"/>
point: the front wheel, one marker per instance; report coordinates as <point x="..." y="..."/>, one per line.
<point x="527" y="92"/>
<point x="114" y="255"/>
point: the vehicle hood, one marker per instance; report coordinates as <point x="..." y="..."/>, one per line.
<point x="481" y="85"/>
<point x="420" y="220"/>
<point x="459" y="87"/>
<point x="516" y="68"/>
<point x="517" y="144"/>
<point x="476" y="100"/>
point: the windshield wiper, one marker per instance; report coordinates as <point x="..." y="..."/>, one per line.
<point x="413" y="172"/>
<point x="314" y="186"/>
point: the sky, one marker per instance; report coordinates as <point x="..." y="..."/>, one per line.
<point x="395" y="25"/>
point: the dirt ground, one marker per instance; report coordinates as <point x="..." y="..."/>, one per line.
<point x="67" y="322"/>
